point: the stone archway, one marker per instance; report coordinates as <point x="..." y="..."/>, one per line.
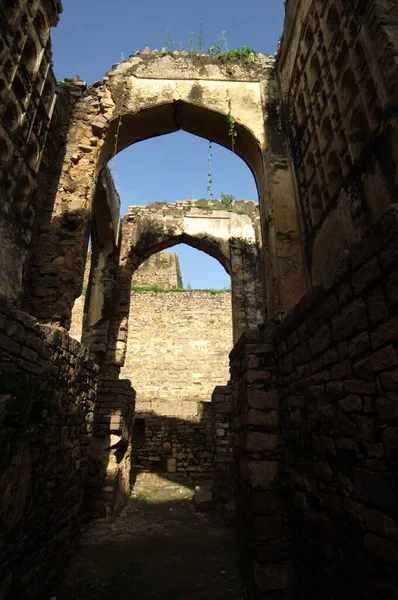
<point x="232" y="238"/>
<point x="150" y="95"/>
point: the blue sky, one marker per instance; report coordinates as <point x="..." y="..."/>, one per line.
<point x="94" y="34"/>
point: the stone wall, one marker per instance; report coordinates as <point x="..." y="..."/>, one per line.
<point x="315" y="434"/>
<point x="222" y="459"/>
<point x="178" y="344"/>
<point x="263" y="534"/>
<point x="47" y="402"/>
<point x="162" y="268"/>
<point x="337" y="65"/>
<point x="166" y="89"/>
<point x="28" y="95"/>
<point x="337" y="375"/>
<point x="173" y="437"/>
<point x="108" y="485"/>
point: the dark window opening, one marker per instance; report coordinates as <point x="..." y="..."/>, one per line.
<point x="139" y="432"/>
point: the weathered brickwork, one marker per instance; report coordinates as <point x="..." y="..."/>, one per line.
<point x="178" y="344"/>
<point x="314" y="393"/>
<point x="258" y="450"/>
<point x="337" y="368"/>
<point x="338" y="65"/>
<point x="173" y="437"/>
<point x="47" y="404"/>
<point x="28" y="96"/>
<point x="222" y="459"/>
<point x="162" y="268"/>
<point x="108" y="486"/>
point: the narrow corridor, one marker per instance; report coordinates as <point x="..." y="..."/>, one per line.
<point x="162" y="547"/>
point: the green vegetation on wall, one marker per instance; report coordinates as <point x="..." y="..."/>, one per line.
<point x="160" y="289"/>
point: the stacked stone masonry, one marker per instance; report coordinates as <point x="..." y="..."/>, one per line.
<point x="177" y="352"/>
<point x="222" y="459"/>
<point x="174" y="437"/>
<point x="316" y="438"/>
<point x="47" y="407"/>
<point x="337" y="367"/>
<point x="108" y="483"/>
<point x="178" y="344"/>
<point x="162" y="268"/>
<point x="27" y="92"/>
<point x="338" y="62"/>
<point x="263" y="532"/>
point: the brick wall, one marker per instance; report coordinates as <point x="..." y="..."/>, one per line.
<point x="338" y="376"/>
<point x="222" y="459"/>
<point x="162" y="268"/>
<point x="258" y="452"/>
<point x="178" y="344"/>
<point x="108" y="485"/>
<point x="47" y="401"/>
<point x="174" y="437"/>
<point x="315" y="410"/>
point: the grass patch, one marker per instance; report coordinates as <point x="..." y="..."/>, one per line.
<point x="160" y="289"/>
<point x="212" y="207"/>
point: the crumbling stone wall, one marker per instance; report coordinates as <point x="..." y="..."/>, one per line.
<point x="178" y="344"/>
<point x="177" y="351"/>
<point x="263" y="535"/>
<point x="150" y="94"/>
<point x="222" y="459"/>
<point x="47" y="403"/>
<point x="337" y="66"/>
<point x="108" y="484"/>
<point x="173" y="437"/>
<point x="315" y="422"/>
<point x="337" y="376"/>
<point x="27" y="100"/>
<point x="231" y="236"/>
<point x="162" y="268"/>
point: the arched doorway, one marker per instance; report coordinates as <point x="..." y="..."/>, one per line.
<point x="150" y="96"/>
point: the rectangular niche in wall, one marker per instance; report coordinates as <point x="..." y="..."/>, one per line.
<point x="139" y="432"/>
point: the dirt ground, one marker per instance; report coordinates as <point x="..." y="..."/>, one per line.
<point x="162" y="547"/>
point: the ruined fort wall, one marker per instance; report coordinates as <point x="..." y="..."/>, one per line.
<point x="173" y="437"/>
<point x="337" y="69"/>
<point x="315" y="433"/>
<point x="177" y="352"/>
<point x="337" y="376"/>
<point x="28" y="95"/>
<point x="162" y="268"/>
<point x="178" y="344"/>
<point x="47" y="401"/>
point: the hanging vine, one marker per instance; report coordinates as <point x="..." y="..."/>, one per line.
<point x="119" y="120"/>
<point x="232" y="133"/>
<point x="209" y="175"/>
<point x="119" y="124"/>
